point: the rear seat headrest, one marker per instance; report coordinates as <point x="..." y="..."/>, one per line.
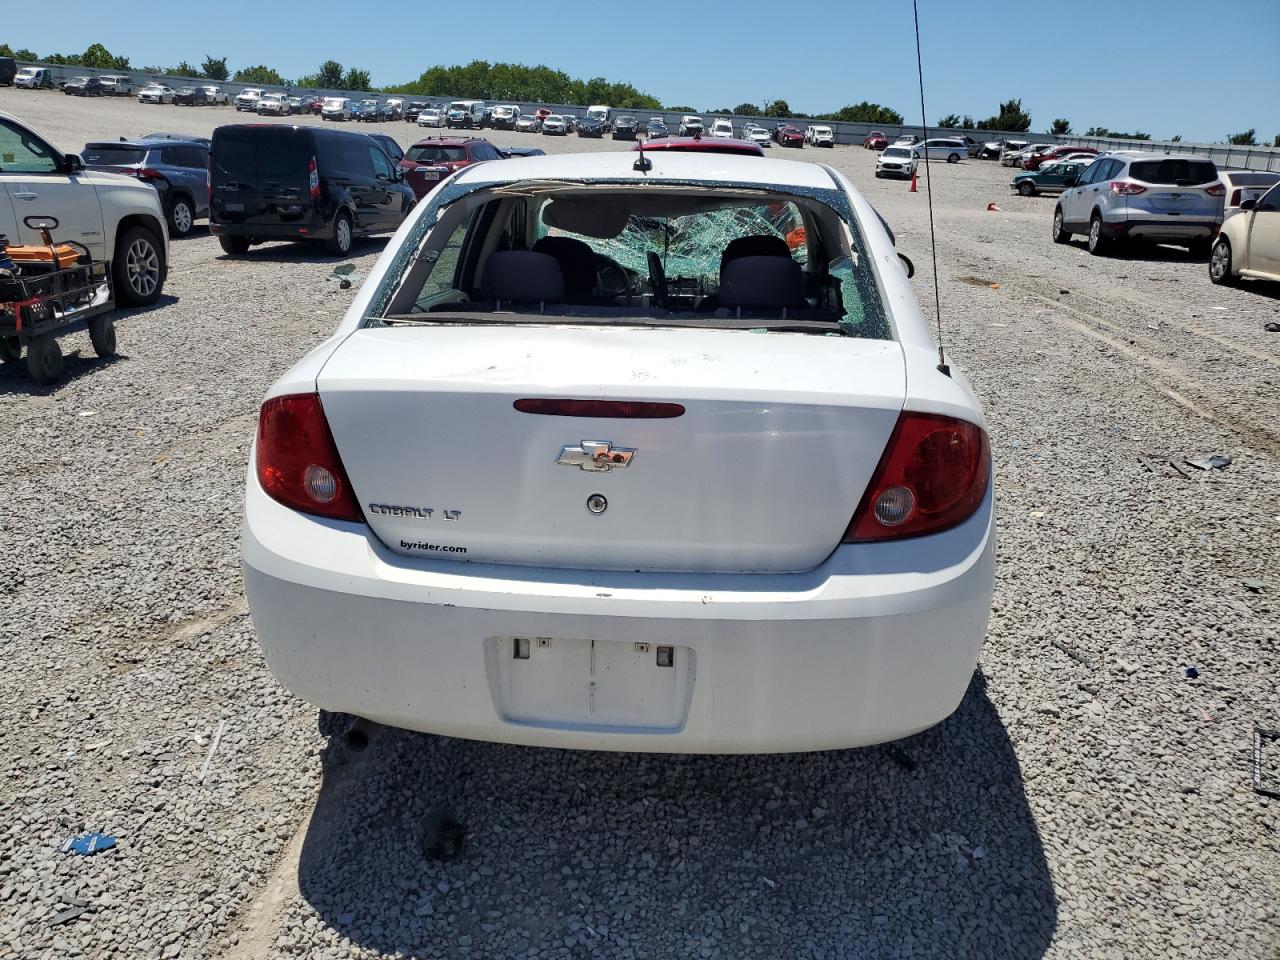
<point x="522" y="276"/>
<point x="762" y="283"/>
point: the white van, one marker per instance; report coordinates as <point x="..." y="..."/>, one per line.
<point x="504" y="116"/>
<point x="603" y="114"/>
<point x="820" y="135"/>
<point x="723" y="129"/>
<point x="465" y="113"/>
<point x="34" y="78"/>
<point x="336" y="108"/>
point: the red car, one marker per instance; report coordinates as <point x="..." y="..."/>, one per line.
<point x="1034" y="161"/>
<point x="875" y="140"/>
<point x="428" y="162"/>
<point x="788" y="136"/>
<point x="703" y="145"/>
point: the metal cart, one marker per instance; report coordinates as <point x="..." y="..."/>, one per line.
<point x="38" y="305"/>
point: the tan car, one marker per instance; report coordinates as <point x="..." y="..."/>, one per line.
<point x="1249" y="243"/>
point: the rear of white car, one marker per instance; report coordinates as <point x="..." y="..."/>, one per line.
<point x="622" y="527"/>
<point x="1162" y="198"/>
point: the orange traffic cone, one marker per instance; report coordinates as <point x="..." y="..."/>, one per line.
<point x="913" y="183"/>
<point x="992" y="208"/>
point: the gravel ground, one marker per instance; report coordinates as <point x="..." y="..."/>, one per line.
<point x="1088" y="799"/>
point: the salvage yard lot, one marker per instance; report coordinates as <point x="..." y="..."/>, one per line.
<point x="1087" y="799"/>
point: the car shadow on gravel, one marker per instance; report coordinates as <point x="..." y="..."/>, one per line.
<point x="308" y="251"/>
<point x="14" y="379"/>
<point x="923" y="848"/>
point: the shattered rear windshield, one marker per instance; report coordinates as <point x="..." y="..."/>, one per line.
<point x="678" y="255"/>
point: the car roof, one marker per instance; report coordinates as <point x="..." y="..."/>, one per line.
<point x="1152" y="155"/>
<point x="445" y="141"/>
<point x="712" y="168"/>
<point x="146" y="142"/>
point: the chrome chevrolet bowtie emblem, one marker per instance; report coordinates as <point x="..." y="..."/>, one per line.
<point x="598" y="456"/>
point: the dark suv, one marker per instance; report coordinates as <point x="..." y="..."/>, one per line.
<point x="276" y="182"/>
<point x="428" y="162"/>
<point x="178" y="169"/>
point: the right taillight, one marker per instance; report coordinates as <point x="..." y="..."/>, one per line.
<point x="297" y="462"/>
<point x="932" y="476"/>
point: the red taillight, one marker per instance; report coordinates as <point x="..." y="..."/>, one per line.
<point x="1235" y="197"/>
<point x="297" y="462"/>
<point x="1123" y="188"/>
<point x="147" y="173"/>
<point x="1215" y="190"/>
<point x="618" y="409"/>
<point x="932" y="476"/>
<point x="313" y="178"/>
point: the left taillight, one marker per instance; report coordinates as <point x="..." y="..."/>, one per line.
<point x="1215" y="190"/>
<point x="313" y="178"/>
<point x="297" y="462"/>
<point x="933" y="475"/>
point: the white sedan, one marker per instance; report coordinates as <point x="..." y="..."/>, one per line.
<point x="756" y="134"/>
<point x="535" y="489"/>
<point x="155" y="93"/>
<point x="1248" y="244"/>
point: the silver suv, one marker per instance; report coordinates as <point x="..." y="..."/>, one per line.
<point x="1164" y="198"/>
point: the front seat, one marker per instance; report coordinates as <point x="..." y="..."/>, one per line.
<point x="577" y="263"/>
<point x="759" y="245"/>
<point x="522" y="277"/>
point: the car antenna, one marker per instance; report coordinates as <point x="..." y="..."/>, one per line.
<point x="643" y="163"/>
<point x="943" y="368"/>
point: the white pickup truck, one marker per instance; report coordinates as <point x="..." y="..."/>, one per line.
<point x="114" y="217"/>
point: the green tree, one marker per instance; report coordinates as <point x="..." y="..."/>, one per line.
<point x="260" y="74"/>
<point x="950" y="121"/>
<point x="330" y="75"/>
<point x="355" y="79"/>
<point x="1176" y="138"/>
<point x="1060" y="127"/>
<point x="22" y="53"/>
<point x="1276" y="141"/>
<point x="778" y="108"/>
<point x="1245" y="139"/>
<point x="215" y="68"/>
<point x="183" y="69"/>
<point x="681" y="108"/>
<point x="746" y="110"/>
<point x="967" y="123"/>
<point x="99" y="57"/>
<point x="864" y="112"/>
<point x="1011" y="117"/>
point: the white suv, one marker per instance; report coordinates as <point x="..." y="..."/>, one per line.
<point x="1165" y="198"/>
<point x="115" y="218"/>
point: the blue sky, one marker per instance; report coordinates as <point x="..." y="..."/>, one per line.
<point x="1190" y="68"/>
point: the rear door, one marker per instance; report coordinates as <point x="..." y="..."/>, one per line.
<point x="386" y="196"/>
<point x="1177" y="188"/>
<point x="189" y="169"/>
<point x="30" y="168"/>
<point x="259" y="174"/>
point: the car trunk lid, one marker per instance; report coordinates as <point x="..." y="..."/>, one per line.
<point x="777" y="441"/>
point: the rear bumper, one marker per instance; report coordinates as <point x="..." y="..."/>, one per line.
<point x="876" y="644"/>
<point x="1172" y="228"/>
<point x="313" y="228"/>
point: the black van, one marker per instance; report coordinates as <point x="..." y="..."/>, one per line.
<point x="277" y="182"/>
<point x="8" y="70"/>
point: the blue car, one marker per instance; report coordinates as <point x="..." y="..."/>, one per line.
<point x="178" y="169"/>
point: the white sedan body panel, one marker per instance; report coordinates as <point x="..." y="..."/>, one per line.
<point x="713" y="608"/>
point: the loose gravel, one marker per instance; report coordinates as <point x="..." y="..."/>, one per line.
<point x="1088" y="799"/>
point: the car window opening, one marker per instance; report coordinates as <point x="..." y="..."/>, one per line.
<point x="624" y="255"/>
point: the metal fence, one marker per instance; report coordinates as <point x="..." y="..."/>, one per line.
<point x="1250" y="158"/>
<point x="1225" y="156"/>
